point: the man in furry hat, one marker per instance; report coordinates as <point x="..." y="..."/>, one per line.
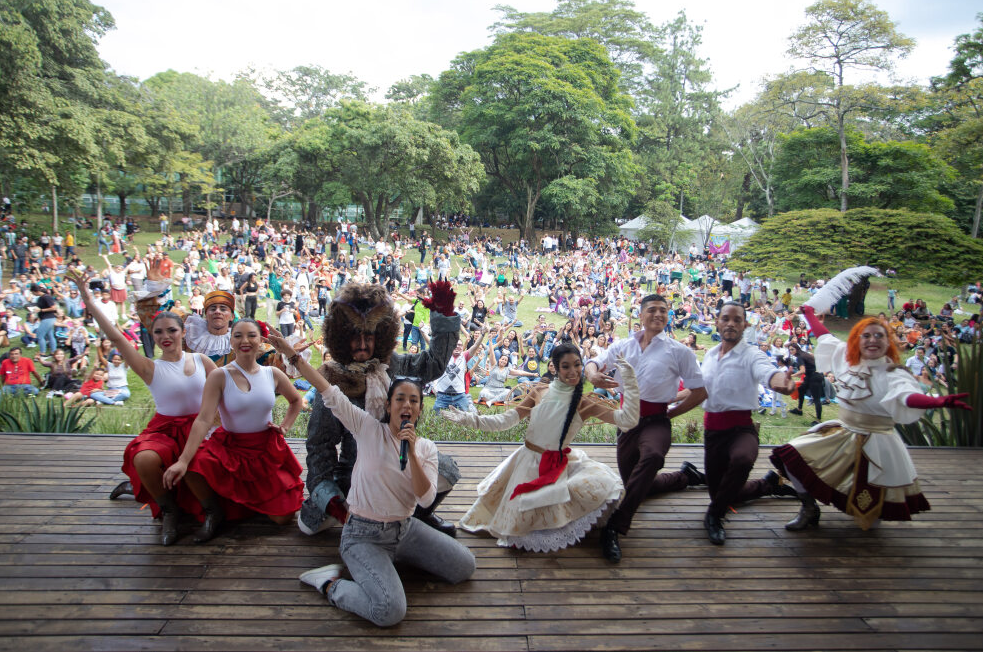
<point x="360" y="330"/>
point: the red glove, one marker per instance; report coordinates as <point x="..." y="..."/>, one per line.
<point x="923" y="402"/>
<point x="441" y="298"/>
<point x="815" y="325"/>
<point x="337" y="509"/>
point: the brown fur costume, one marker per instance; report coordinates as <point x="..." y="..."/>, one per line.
<point x="358" y="308"/>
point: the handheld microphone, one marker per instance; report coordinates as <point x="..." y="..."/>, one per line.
<point x="404" y="448"/>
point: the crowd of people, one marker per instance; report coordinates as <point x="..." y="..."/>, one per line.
<point x="608" y="312"/>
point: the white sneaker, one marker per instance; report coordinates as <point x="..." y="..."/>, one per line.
<point x="329" y="521"/>
<point x="319" y="577"/>
<point x="51" y="395"/>
<point x="119" y="403"/>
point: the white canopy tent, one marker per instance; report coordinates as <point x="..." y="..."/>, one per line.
<point x="631" y="228"/>
<point x="698" y="230"/>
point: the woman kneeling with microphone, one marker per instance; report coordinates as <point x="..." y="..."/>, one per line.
<point x="386" y="488"/>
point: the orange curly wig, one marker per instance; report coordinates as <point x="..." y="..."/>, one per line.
<point x="853" y="341"/>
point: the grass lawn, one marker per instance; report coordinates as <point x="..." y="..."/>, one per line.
<point x="131" y="418"/>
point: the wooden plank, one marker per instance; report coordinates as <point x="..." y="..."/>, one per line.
<point x="80" y="572"/>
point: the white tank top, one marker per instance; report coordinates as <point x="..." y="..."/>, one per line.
<point x="248" y="411"/>
<point x="175" y="393"/>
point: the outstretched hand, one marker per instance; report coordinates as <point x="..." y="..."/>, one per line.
<point x="954" y="401"/>
<point x="276" y="340"/>
<point x="441" y="298"/>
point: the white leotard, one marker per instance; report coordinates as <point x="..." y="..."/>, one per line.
<point x="176" y="393"/>
<point x="248" y="411"/>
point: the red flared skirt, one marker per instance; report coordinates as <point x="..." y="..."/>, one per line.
<point x="251" y="471"/>
<point x="165" y="436"/>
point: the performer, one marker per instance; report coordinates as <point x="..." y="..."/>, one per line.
<point x="385" y="490"/>
<point x="545" y="496"/>
<point x="360" y="330"/>
<point x="246" y="461"/>
<point x="660" y="362"/>
<point x="176" y="382"/>
<point x="732" y="371"/>
<point x="858" y="462"/>
<point x="209" y="334"/>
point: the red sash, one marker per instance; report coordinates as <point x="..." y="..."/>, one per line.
<point x="726" y="420"/>
<point x="551" y="465"/>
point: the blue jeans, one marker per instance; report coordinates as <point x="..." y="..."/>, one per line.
<point x="20" y="389"/>
<point x="124" y="393"/>
<point x="46" y="336"/>
<point x="370" y="548"/>
<point x="103" y="243"/>
<point x="700" y="328"/>
<point x="461" y="401"/>
<point x="417" y="338"/>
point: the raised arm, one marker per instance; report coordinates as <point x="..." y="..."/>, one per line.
<point x="140" y="364"/>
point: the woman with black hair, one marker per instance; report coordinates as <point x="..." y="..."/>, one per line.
<point x="546" y="496"/>
<point x="395" y="472"/>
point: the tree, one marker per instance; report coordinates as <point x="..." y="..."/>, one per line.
<point x="888" y="174"/>
<point x="232" y="124"/>
<point x="50" y="75"/>
<point x="958" y="128"/>
<point x="539" y="109"/>
<point x="845" y="35"/>
<point x="821" y="243"/>
<point x="625" y="32"/>
<point x="306" y="92"/>
<point x="676" y="110"/>
<point x="662" y="221"/>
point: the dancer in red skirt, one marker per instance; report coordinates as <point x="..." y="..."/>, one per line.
<point x="176" y="382"/>
<point x="246" y="462"/>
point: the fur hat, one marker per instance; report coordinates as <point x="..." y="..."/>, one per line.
<point x="360" y="308"/>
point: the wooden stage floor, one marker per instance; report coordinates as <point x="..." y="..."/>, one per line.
<point x="78" y="572"/>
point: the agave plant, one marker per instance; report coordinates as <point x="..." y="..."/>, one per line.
<point x="22" y="415"/>
<point x="954" y="427"/>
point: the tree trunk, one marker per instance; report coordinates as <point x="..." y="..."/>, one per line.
<point x="741" y="197"/>
<point x="122" y="205"/>
<point x="529" y="225"/>
<point x="54" y="208"/>
<point x="98" y="199"/>
<point x="844" y="165"/>
<point x="976" y="215"/>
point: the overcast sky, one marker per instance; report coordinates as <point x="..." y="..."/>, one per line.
<point x="383" y="41"/>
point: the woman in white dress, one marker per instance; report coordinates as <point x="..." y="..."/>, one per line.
<point x="546" y="496"/>
<point x="858" y="462"/>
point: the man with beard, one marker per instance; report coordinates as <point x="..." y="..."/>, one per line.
<point x="360" y="330"/>
<point x="732" y="371"/>
<point x="660" y="363"/>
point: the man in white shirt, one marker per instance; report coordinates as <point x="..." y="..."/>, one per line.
<point x="660" y="362"/>
<point x="916" y="363"/>
<point x="732" y="371"/>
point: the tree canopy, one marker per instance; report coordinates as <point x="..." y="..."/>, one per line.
<point x="822" y="242"/>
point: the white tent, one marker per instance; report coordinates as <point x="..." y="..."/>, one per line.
<point x="696" y="231"/>
<point x="630" y="229"/>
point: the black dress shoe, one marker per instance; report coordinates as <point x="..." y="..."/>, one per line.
<point x="715" y="529"/>
<point x="694" y="477"/>
<point x="426" y="514"/>
<point x="610" y="546"/>
<point x="436" y="522"/>
<point x="776" y="487"/>
<point x="121" y="489"/>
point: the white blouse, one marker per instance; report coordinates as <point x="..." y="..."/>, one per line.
<point x="380" y="491"/>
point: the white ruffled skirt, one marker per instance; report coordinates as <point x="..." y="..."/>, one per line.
<point x="551" y="517"/>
